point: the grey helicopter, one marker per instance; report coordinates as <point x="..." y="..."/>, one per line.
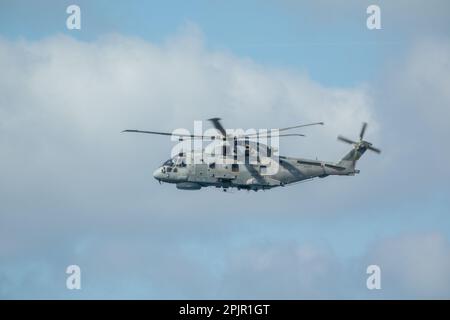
<point x="245" y="163"/>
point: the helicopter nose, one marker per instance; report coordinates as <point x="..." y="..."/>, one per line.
<point x="157" y="174"/>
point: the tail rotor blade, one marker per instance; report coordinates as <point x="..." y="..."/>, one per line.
<point x="374" y="149"/>
<point x="346" y="140"/>
<point x="363" y="130"/>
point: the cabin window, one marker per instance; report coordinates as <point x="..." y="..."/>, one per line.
<point x="212" y="165"/>
<point x="234" y="167"/>
<point x="263" y="169"/>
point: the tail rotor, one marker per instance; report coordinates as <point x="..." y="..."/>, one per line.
<point x="361" y="142"/>
<point x="359" y="147"/>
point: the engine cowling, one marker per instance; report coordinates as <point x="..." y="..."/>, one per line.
<point x="188" y="186"/>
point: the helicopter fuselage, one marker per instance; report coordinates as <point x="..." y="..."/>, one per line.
<point x="266" y="174"/>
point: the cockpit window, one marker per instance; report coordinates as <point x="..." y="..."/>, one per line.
<point x="168" y="163"/>
<point x="177" y="161"/>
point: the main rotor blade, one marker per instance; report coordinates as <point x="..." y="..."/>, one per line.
<point x="284" y="135"/>
<point x="267" y="135"/>
<point x="166" y="133"/>
<point x="216" y="123"/>
<point x="255" y="174"/>
<point x="346" y="140"/>
<point x="374" y="149"/>
<point x="213" y="137"/>
<point x="363" y="130"/>
<point x="301" y="126"/>
<point x="283" y="129"/>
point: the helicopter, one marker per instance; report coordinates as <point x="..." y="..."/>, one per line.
<point x="246" y="163"/>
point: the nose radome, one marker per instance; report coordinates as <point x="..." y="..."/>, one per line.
<point x="157" y="174"/>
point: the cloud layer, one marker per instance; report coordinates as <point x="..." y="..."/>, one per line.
<point x="73" y="190"/>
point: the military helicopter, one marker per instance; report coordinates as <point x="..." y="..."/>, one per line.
<point x="247" y="164"/>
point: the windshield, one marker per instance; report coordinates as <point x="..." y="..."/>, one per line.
<point x="179" y="161"/>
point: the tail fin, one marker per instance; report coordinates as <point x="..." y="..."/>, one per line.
<point x="349" y="160"/>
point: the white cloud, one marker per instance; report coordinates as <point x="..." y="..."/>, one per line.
<point x="66" y="171"/>
<point x="63" y="103"/>
<point x="424" y="83"/>
<point x="415" y="103"/>
<point x="65" y="167"/>
<point x="282" y="270"/>
<point x="413" y="265"/>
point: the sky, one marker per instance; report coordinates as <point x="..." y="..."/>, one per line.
<point x="74" y="191"/>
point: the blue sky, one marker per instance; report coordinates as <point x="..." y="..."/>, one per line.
<point x="285" y="33"/>
<point x="78" y="194"/>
